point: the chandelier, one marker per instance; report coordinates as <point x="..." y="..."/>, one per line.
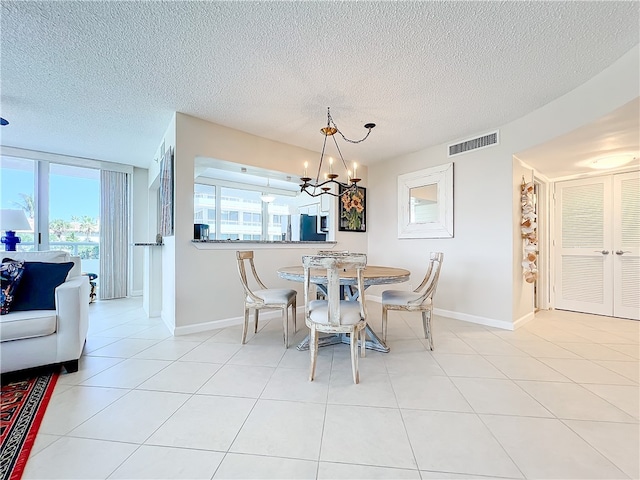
<point x="315" y="187"/>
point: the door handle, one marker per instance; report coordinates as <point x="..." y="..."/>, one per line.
<point x="603" y="252"/>
<point x="620" y="252"/>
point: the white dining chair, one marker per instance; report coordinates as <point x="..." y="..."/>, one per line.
<point x="335" y="315"/>
<point x="264" y="297"/>
<point x="419" y="300"/>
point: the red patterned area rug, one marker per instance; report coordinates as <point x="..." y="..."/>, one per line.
<point x="24" y="401"/>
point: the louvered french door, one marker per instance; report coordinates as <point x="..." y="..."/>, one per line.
<point x="597" y="244"/>
<point x="626" y="245"/>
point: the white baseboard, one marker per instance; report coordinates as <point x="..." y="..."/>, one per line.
<point x="136" y="293"/>
<point x="168" y="324"/>
<point x="523" y="320"/>
<point x="271" y="314"/>
<point x="229" y="322"/>
<point x="466" y="317"/>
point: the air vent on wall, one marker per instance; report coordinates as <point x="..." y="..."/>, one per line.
<point x="474" y="143"/>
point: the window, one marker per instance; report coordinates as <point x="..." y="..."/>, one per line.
<point x="242" y="215"/>
<point x="249" y="218"/>
<point x="204" y="206"/>
<point x="228" y="236"/>
<point x="279" y="227"/>
<point x="18" y="180"/>
<point x="75" y="226"/>
<point x="230" y="217"/>
<point x="62" y="203"/>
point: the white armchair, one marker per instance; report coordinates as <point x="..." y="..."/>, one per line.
<point x="34" y="338"/>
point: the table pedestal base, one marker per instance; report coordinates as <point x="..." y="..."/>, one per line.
<point x="372" y="342"/>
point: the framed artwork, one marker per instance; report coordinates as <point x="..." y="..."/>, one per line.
<point x="166" y="193"/>
<point x="352" y="210"/>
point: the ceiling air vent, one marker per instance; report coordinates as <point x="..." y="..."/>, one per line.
<point x="474" y="143"/>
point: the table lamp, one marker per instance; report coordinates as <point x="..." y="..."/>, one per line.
<point x="10" y="221"/>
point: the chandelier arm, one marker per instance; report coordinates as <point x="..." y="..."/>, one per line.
<point x="324" y="144"/>
<point x="348" y="189"/>
<point x="346" y="169"/>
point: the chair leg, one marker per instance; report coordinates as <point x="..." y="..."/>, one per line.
<point x="293" y="313"/>
<point x="255" y="321"/>
<point x="363" y="342"/>
<point x="285" y="325"/>
<point x="245" y="326"/>
<point x="426" y="324"/>
<point x="313" y="350"/>
<point x="354" y="356"/>
<point x="384" y="323"/>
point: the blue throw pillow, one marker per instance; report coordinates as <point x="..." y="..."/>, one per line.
<point x="11" y="272"/>
<point x="37" y="287"/>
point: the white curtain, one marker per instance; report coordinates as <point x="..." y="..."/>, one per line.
<point x="114" y="234"/>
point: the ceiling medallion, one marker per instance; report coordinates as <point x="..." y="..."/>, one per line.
<point x="314" y="187"/>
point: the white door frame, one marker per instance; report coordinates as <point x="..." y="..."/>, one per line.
<point x="543" y="298"/>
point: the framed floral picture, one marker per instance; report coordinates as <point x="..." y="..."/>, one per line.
<point x="352" y="210"/>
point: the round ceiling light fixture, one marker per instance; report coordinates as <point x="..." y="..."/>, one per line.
<point x="611" y="162"/>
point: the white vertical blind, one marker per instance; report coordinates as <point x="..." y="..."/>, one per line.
<point x="114" y="234"/>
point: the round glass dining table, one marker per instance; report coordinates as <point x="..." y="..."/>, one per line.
<point x="373" y="275"/>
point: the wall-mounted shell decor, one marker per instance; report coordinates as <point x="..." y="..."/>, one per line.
<point x="529" y="231"/>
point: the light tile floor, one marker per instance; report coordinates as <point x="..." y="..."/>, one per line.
<point x="556" y="399"/>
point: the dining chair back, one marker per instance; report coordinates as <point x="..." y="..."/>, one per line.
<point x="419" y="300"/>
<point x="263" y="297"/>
<point x="335" y="315"/>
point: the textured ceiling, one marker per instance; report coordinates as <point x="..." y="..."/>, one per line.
<point x="101" y="79"/>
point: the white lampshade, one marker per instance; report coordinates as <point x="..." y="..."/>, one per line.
<point x="13" y="220"/>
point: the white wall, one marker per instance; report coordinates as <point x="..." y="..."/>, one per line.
<point x="467" y="287"/>
<point x="204" y="283"/>
<point x="522" y="291"/>
<point x="168" y="250"/>
<point x="481" y="280"/>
